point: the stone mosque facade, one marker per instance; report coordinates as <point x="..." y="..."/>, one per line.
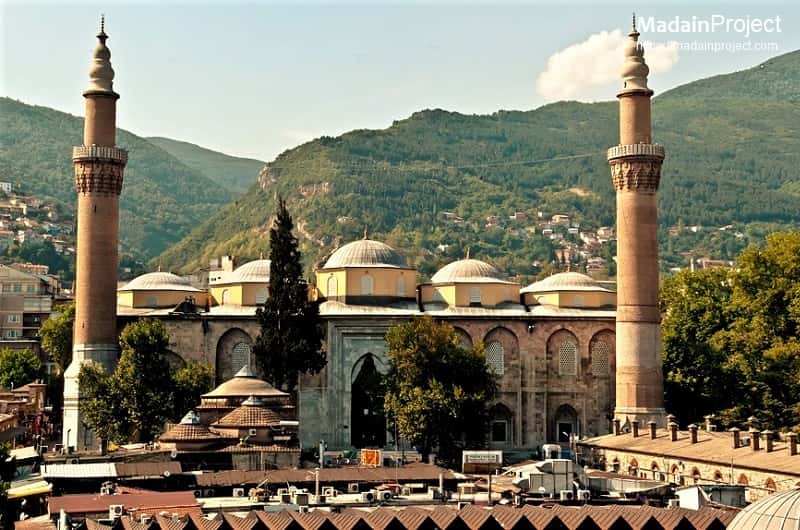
<point x="551" y="344"/>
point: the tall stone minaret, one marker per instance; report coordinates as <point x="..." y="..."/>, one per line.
<point x="635" y="171"/>
<point x="99" y="166"/>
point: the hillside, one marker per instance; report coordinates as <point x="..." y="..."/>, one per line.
<point x="231" y="172"/>
<point x="731" y="159"/>
<point x="162" y="199"/>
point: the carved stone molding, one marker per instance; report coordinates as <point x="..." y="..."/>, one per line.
<point x="636" y="173"/>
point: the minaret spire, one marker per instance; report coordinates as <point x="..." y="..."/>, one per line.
<point x="633" y="25"/>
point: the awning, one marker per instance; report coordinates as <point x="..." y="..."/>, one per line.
<point x="39" y="487"/>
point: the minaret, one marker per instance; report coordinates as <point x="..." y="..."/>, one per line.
<point x="99" y="166"/>
<point x="635" y="171"/>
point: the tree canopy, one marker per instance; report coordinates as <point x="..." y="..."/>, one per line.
<point x="290" y="341"/>
<point x="191" y="382"/>
<point x="56" y="333"/>
<point x="437" y="393"/>
<point x="732" y="337"/>
<point x="18" y="367"/>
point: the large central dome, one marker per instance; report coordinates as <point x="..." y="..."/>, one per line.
<point x="158" y="281"/>
<point x="467" y="271"/>
<point x="365" y="253"/>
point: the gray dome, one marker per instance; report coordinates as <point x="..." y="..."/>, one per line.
<point x="468" y="271"/>
<point x="365" y="253"/>
<point x="779" y="511"/>
<point x="158" y="281"/>
<point x="252" y="272"/>
<point x="565" y="281"/>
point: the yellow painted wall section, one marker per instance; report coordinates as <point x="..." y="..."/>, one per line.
<point x="323" y="278"/>
<point x="125" y="298"/>
<point x="234" y="296"/>
<point x="492" y="294"/>
<point x="573" y="299"/>
<point x="384" y="281"/>
<point x="158" y="298"/>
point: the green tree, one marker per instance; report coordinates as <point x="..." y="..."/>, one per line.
<point x="143" y="377"/>
<point x="763" y="339"/>
<point x="694" y="305"/>
<point x="437" y="393"/>
<point x="191" y="382"/>
<point x="56" y="333"/>
<point x="18" y="367"/>
<point x="290" y="341"/>
<point x="101" y="404"/>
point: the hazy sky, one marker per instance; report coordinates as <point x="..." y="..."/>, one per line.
<point x="255" y="78"/>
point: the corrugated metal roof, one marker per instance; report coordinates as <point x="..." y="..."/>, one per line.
<point x="93" y="470"/>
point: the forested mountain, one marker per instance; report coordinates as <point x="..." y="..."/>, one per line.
<point x="732" y="158"/>
<point x="162" y="198"/>
<point x="233" y="173"/>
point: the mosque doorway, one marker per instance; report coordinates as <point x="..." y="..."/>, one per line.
<point x="368" y="420"/>
<point x="566" y="423"/>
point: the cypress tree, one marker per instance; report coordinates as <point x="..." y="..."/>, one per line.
<point x="290" y="341"/>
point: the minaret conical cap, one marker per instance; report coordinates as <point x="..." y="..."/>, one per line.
<point x="634" y="69"/>
<point x="101" y="74"/>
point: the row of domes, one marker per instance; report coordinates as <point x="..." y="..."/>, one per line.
<point x="373" y="254"/>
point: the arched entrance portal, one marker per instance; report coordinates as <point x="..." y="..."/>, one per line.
<point x="368" y="420"/>
<point x="566" y="423"/>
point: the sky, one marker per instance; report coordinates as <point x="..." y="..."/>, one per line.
<point x="256" y="78"/>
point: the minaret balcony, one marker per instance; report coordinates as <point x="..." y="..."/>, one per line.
<point x="619" y="151"/>
<point x="99" y="152"/>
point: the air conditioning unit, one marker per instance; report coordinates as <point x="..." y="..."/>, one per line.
<point x="673" y="503"/>
<point x="198" y="493"/>
<point x="146" y="519"/>
<point x="238" y="492"/>
<point x="320" y="499"/>
<point x="352" y="487"/>
<point x="584" y="495"/>
<point x="405" y="491"/>
<point x="386" y="495"/>
<point x="285" y="498"/>
<point x="252" y="432"/>
<point x="566" y="495"/>
<point x="368" y="496"/>
<point x="329" y="491"/>
<point x="302" y="509"/>
<point x="519" y="500"/>
<point x="115" y="511"/>
<point x="301" y="499"/>
<point x="283" y="491"/>
<point x="73" y="460"/>
<point x="208" y="493"/>
<point x="434" y="493"/>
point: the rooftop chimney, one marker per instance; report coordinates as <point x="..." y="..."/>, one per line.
<point x="768" y="440"/>
<point x="673" y="431"/>
<point x="736" y="437"/>
<point x="670" y="420"/>
<point x="693" y="433"/>
<point x="617" y="427"/>
<point x="792" y="436"/>
<point x="709" y="423"/>
<point x="751" y="422"/>
<point x="635" y="424"/>
<point x="755" y="437"/>
<point x="652" y="426"/>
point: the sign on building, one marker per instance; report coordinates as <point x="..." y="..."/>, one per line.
<point x="481" y="461"/>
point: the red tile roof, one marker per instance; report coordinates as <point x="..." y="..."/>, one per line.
<point x="181" y="502"/>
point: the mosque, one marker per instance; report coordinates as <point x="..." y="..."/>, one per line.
<point x="571" y="353"/>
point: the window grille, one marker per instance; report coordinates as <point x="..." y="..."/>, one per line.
<point x="567" y="357"/>
<point x="366" y="285"/>
<point x="240" y="356"/>
<point x="601" y="351"/>
<point x="495" y="357"/>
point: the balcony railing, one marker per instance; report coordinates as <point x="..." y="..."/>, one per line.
<point x="636" y="149"/>
<point x="99" y="152"/>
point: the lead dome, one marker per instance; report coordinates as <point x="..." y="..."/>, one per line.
<point x="780" y="511"/>
<point x="467" y="271"/>
<point x="159" y="281"/>
<point x="365" y="253"/>
<point x="565" y="281"/>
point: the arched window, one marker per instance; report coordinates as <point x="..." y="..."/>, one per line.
<point x="151" y="301"/>
<point x="743" y="480"/>
<point x="696" y="475"/>
<point x="401" y="286"/>
<point x="226" y="297"/>
<point x="475" y="296"/>
<point x="770" y="485"/>
<point x="261" y="296"/>
<point x="600" y="352"/>
<point x="366" y="285"/>
<point x="240" y="356"/>
<point x="333" y="286"/>
<point x="568" y="357"/>
<point x="495" y="357"/>
<point x="717" y="475"/>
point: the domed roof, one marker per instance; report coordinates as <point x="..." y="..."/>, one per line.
<point x="565" y="281"/>
<point x="779" y="511"/>
<point x="256" y="271"/>
<point x="252" y="413"/>
<point x="365" y="253"/>
<point x="243" y="384"/>
<point x="158" y="281"/>
<point x="468" y="271"/>
<point x="189" y="430"/>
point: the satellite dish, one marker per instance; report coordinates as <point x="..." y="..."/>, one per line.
<point x="173" y="454"/>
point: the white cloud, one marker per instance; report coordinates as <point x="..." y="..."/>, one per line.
<point x="587" y="70"/>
